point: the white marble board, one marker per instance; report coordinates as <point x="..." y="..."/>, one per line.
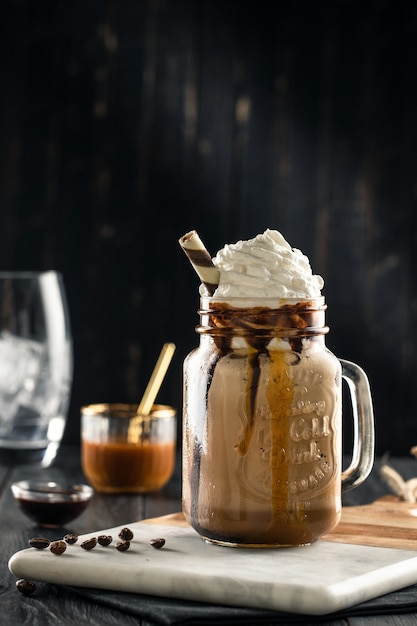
<point x="316" y="579"/>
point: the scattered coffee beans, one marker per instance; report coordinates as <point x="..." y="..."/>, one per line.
<point x="27" y="587"/>
<point x="105" y="540"/>
<point x="126" y="534"/>
<point x="89" y="544"/>
<point x="39" y="542"/>
<point x="57" y="547"/>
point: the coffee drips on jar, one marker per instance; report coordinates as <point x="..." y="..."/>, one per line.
<point x="258" y="326"/>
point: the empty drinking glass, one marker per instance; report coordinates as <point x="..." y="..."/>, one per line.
<point x="35" y="365"/>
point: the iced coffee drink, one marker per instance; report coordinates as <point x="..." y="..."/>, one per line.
<point x="262" y="403"/>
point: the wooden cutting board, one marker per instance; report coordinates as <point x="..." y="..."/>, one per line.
<point x="370" y="553"/>
<point x="386" y="523"/>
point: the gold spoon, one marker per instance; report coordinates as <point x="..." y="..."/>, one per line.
<point x="151" y="391"/>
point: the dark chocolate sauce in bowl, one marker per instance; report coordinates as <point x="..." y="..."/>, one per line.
<point x="50" y="504"/>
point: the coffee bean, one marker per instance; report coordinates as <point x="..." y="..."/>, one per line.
<point x="89" y="544"/>
<point x="157" y="543"/>
<point x="27" y="587"/>
<point x="122" y="546"/>
<point x="39" y="542"/>
<point x="105" y="540"/>
<point x="126" y="534"/>
<point x="57" y="547"/>
<point x="71" y="538"/>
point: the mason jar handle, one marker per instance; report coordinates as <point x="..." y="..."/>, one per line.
<point x="363" y="422"/>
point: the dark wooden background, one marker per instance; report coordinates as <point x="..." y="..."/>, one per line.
<point x="125" y="123"/>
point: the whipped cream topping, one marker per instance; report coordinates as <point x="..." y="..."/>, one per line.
<point x="266" y="266"/>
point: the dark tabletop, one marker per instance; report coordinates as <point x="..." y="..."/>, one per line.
<point x="53" y="604"/>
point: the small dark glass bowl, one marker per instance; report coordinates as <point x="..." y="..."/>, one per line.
<point x="51" y="504"/>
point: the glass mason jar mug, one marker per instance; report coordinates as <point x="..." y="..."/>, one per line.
<point x="262" y="437"/>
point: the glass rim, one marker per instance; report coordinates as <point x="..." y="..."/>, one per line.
<point x="263" y="301"/>
<point x="47" y="491"/>
<point x="120" y="410"/>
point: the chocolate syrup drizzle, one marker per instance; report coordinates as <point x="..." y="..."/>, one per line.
<point x="258" y="325"/>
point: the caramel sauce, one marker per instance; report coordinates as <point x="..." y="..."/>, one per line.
<point x="279" y="393"/>
<point x="120" y="467"/>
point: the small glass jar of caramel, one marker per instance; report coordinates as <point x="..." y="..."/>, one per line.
<point x="122" y="452"/>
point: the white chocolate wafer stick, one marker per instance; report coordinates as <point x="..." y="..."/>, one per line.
<point x="200" y="259"/>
